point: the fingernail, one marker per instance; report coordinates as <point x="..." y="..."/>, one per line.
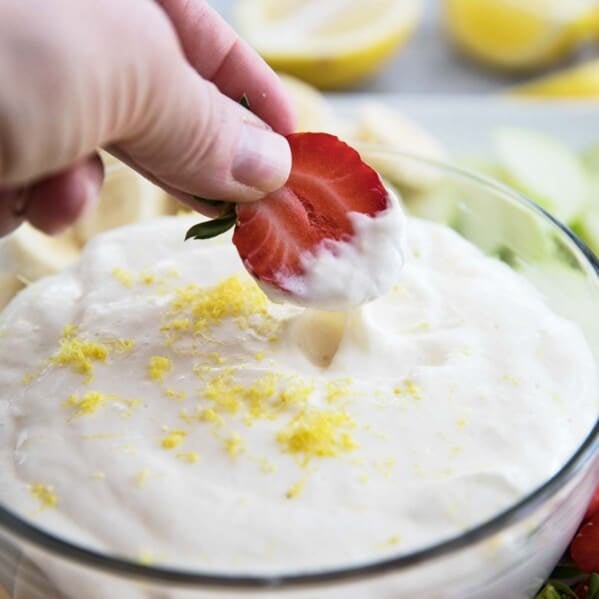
<point x="262" y="159"/>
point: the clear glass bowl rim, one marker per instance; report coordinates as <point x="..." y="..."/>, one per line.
<point x="12" y="524"/>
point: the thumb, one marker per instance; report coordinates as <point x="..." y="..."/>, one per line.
<point x="198" y="141"/>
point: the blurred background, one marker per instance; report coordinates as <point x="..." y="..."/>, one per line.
<point x="442" y="46"/>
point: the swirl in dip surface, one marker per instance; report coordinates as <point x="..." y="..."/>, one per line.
<point x="156" y="405"/>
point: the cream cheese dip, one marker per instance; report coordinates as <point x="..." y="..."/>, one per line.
<point x="157" y="406"/>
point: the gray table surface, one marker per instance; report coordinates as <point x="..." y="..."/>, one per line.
<point x="428" y="64"/>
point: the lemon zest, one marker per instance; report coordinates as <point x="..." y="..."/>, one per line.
<point x="89" y="403"/>
<point x="318" y="434"/>
<point x="124" y="277"/>
<point x="191" y="457"/>
<point x="159" y="367"/>
<point x="234" y="445"/>
<point x="296" y="489"/>
<point x="173" y="439"/>
<point x="79" y="354"/>
<point x="45" y="494"/>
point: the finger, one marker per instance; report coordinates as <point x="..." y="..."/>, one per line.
<point x="58" y="201"/>
<point x="144" y="99"/>
<point x="218" y="54"/>
<point x="200" y="142"/>
<point x="185" y="198"/>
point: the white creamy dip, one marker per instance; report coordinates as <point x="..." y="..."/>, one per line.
<point x="341" y="275"/>
<point x="156" y="405"/>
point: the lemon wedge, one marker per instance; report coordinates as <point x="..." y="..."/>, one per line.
<point x="518" y="34"/>
<point x="329" y="44"/>
<point x="576" y="82"/>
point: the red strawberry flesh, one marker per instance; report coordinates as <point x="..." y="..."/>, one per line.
<point x="584" y="549"/>
<point x="328" y="180"/>
<point x="593" y="506"/>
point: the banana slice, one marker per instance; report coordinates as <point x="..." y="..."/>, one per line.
<point x="10" y="285"/>
<point x="313" y="110"/>
<point x="27" y="255"/>
<point x="126" y="197"/>
<point x="390" y="130"/>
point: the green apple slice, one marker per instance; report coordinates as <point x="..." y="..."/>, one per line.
<point x="544" y="169"/>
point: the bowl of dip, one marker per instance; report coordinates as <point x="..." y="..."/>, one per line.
<point x="170" y="433"/>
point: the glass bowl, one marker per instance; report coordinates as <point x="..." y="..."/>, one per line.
<point x="508" y="556"/>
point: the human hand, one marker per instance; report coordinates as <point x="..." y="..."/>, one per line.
<point x="157" y="84"/>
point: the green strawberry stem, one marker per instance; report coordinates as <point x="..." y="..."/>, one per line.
<point x="211" y="228"/>
<point x="226" y="219"/>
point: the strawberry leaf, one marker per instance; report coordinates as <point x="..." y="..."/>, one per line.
<point x="244" y="101"/>
<point x="593" y="587"/>
<point x="227" y="208"/>
<point x="555" y="590"/>
<point x="211" y="228"/>
<point x="227" y="216"/>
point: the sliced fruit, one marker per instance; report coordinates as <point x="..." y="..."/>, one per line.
<point x="10" y="285"/>
<point x="588" y="229"/>
<point x="29" y="254"/>
<point x="126" y="197"/>
<point x="516" y="35"/>
<point x="542" y="168"/>
<point x="438" y="204"/>
<point x="313" y="110"/>
<point x="593" y="506"/>
<point x="584" y="549"/>
<point x="590" y="159"/>
<point x="295" y="240"/>
<point x="328" y="180"/>
<point x="329" y="44"/>
<point x="389" y="129"/>
<point x="581" y="81"/>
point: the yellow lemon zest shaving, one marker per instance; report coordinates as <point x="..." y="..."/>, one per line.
<point x="234" y="445"/>
<point x="89" y="403"/>
<point x="44" y="494"/>
<point x="79" y="354"/>
<point x="191" y="457"/>
<point x="159" y="367"/>
<point x="173" y="439"/>
<point x="124" y="277"/>
<point x="318" y="434"/>
<point x="296" y="489"/>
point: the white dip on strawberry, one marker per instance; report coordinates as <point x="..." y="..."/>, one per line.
<point x="341" y="275"/>
<point x="156" y="405"/>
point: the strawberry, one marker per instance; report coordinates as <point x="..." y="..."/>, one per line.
<point x="584" y="549"/>
<point x="593" y="506"/>
<point x="328" y="180"/>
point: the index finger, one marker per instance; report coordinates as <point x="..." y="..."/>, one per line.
<point x="220" y="55"/>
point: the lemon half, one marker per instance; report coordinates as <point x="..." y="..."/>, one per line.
<point x="330" y="43"/>
<point x="518" y="34"/>
<point x="581" y="81"/>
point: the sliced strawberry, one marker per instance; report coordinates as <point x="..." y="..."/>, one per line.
<point x="593" y="506"/>
<point x="585" y="546"/>
<point x="328" y="180"/>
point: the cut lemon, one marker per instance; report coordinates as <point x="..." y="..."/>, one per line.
<point x="518" y="34"/>
<point x="330" y="43"/>
<point x="577" y="82"/>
